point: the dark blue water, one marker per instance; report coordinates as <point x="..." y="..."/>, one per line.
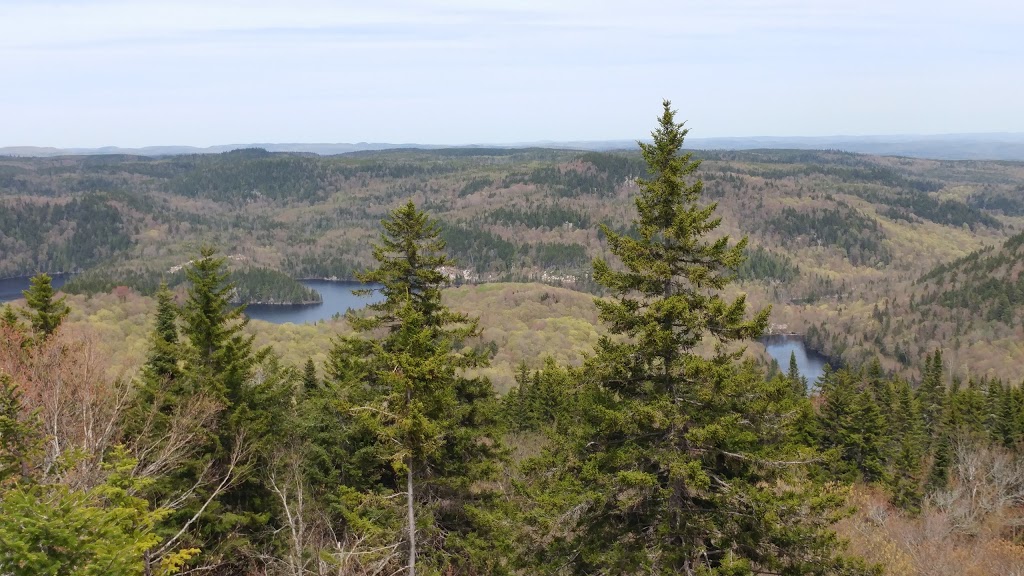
<point x="10" y="288"/>
<point x="337" y="298"/>
<point x="810" y="363"/>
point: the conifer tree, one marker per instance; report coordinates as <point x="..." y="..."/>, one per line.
<point x="675" y="461"/>
<point x="44" y="312"/>
<point x="219" y="364"/>
<point x="221" y="354"/>
<point x="942" y="460"/>
<point x="881" y="389"/>
<point x="932" y="394"/>
<point x="798" y="382"/>
<point x="309" y="377"/>
<point x="1003" y="421"/>
<point x="160" y="387"/>
<point x="163" y="354"/>
<point x="852" y="423"/>
<point x="159" y="395"/>
<point x="868" y="452"/>
<point x="401" y="379"/>
<point x="9" y="318"/>
<point x="909" y="449"/>
<point x="967" y="408"/>
<point x="20" y="437"/>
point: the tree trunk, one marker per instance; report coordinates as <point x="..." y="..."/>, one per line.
<point x="412" y="521"/>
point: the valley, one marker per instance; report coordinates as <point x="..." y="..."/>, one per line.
<point x="844" y="247"/>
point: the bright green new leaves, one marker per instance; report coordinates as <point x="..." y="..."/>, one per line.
<point x="106" y="530"/>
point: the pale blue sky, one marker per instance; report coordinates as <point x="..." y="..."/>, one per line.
<point x="186" y="72"/>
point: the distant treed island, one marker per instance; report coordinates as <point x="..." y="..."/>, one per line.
<point x="561" y="374"/>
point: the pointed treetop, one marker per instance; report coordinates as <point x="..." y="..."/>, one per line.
<point x="45" y="313"/>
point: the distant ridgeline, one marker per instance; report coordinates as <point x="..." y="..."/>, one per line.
<point x="252" y="285"/>
<point x="513" y="214"/>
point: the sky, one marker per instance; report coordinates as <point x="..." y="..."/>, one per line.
<point x="92" y="73"/>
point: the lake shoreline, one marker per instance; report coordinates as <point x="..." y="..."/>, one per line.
<point x="336" y="299"/>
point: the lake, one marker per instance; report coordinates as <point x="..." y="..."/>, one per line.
<point x="810" y="363"/>
<point x="337" y="298"/>
<point x="10" y="288"/>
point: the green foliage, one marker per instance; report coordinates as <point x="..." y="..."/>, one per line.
<point x="540" y="397"/>
<point x="251" y="176"/>
<point x="267" y="286"/>
<point x="798" y="382"/>
<point x="413" y="414"/>
<point x="880" y="430"/>
<point x="211" y="387"/>
<point x="222" y="353"/>
<point x="477" y="248"/>
<point x="161" y="390"/>
<point x="986" y="280"/>
<point x="9" y="318"/>
<point x="567" y="181"/>
<point x="853" y="425"/>
<point x="476" y="185"/>
<point x="89" y="229"/>
<point x="252" y="285"/>
<point x="54" y="529"/>
<point x="559" y="255"/>
<point x="20" y="437"/>
<point x="44" y="312"/>
<point x="908" y="448"/>
<point x="550" y="216"/>
<point x="761" y="264"/>
<point x="673" y="461"/>
<point x="653" y="458"/>
<point x="947" y="212"/>
<point x="310" y="381"/>
<point x="859" y="237"/>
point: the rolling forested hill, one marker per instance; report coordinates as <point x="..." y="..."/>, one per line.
<point x="864" y="254"/>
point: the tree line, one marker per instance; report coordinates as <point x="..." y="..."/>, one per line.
<point x="250" y="285"/>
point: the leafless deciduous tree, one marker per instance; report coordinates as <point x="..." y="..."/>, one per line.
<point x="64" y="380"/>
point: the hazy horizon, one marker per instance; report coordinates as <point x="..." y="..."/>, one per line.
<point x="100" y="73"/>
<point x="981" y="137"/>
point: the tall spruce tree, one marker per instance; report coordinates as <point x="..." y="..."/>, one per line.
<point x="252" y="390"/>
<point x="798" y="382"/>
<point x="163" y="354"/>
<point x="931" y="394"/>
<point x="158" y="392"/>
<point x="221" y="353"/>
<point x="908" y="452"/>
<point x="45" y="313"/>
<point x="401" y="379"/>
<point x="679" y="463"/>
<point x="310" y="381"/>
<point x="160" y="386"/>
